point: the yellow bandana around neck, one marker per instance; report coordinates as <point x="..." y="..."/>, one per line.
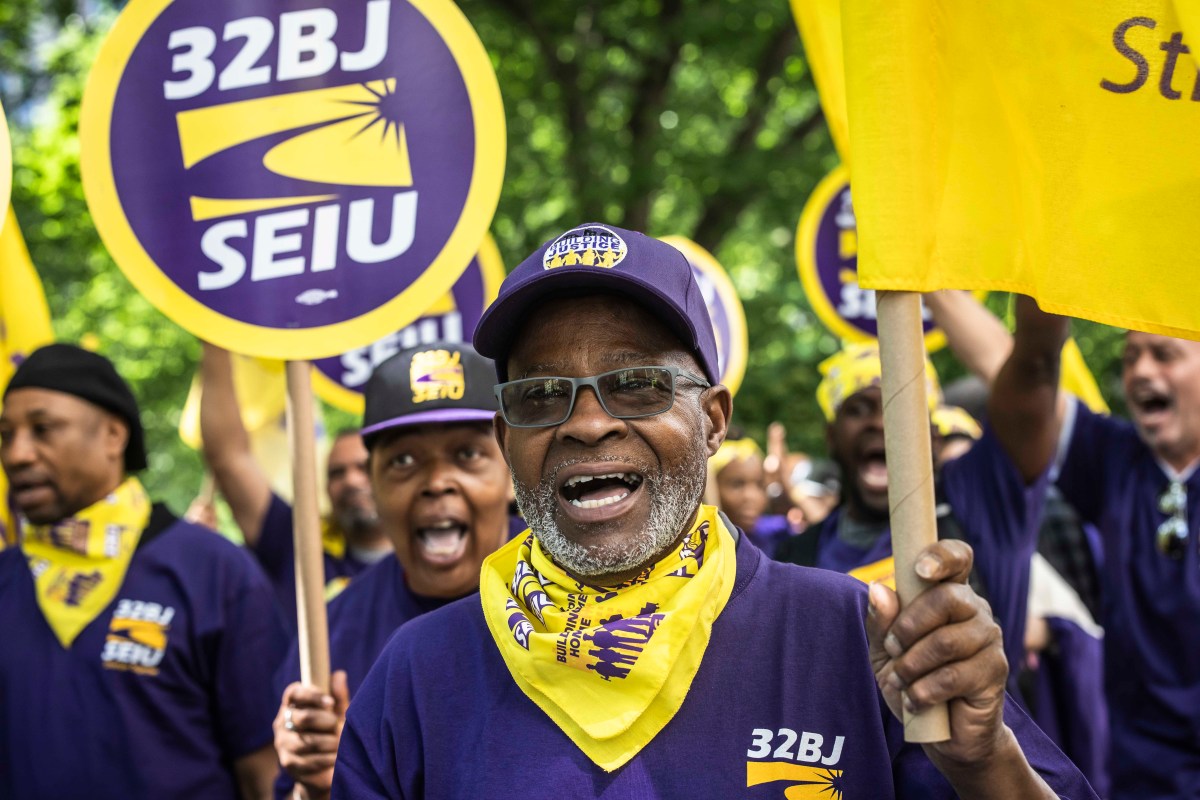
<point x="609" y="666"/>
<point x="79" y="563"/>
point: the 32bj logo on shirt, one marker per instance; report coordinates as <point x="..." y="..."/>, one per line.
<point x="137" y="636"/>
<point x="802" y="759"/>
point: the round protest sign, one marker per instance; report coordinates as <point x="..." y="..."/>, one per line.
<point x="340" y="380"/>
<point x="292" y="179"/>
<point x="827" y="259"/>
<point x="724" y="307"/>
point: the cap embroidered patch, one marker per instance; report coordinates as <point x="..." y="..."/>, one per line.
<point x="589" y="246"/>
<point x="437" y="375"/>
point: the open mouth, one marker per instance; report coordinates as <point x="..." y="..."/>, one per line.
<point x="872" y="470"/>
<point x="443" y="541"/>
<point x="1149" y="403"/>
<point x="598" y="491"/>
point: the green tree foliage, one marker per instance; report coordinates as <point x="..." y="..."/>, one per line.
<point x="677" y="117"/>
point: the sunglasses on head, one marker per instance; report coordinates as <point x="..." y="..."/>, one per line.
<point x="1172" y="534"/>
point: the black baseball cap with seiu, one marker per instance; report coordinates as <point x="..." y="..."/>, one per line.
<point x="441" y="382"/>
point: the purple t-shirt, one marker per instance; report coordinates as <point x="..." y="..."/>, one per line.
<point x="361" y="620"/>
<point x="1150" y="608"/>
<point x="118" y="716"/>
<point x="786" y="678"/>
<point x="276" y="552"/>
<point x="999" y="515"/>
<point x="1066" y="699"/>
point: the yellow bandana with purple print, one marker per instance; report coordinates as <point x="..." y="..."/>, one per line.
<point x="857" y="367"/>
<point x="79" y="563"/>
<point x="610" y="666"/>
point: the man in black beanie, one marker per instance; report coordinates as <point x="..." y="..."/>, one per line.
<point x="138" y="639"/>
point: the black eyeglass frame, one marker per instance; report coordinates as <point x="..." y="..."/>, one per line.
<point x="593" y="381"/>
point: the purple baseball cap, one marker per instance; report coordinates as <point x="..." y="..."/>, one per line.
<point x="602" y="258"/>
<point x="441" y="382"/>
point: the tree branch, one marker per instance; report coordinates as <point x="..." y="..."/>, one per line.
<point x="723" y="206"/>
<point x="566" y="75"/>
<point x="643" y="118"/>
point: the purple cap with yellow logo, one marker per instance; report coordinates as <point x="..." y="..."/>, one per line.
<point x="441" y="382"/>
<point x="602" y="258"/>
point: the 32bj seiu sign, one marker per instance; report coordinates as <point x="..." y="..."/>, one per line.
<point x="292" y="179"/>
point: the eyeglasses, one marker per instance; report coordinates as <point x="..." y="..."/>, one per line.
<point x="1172" y="535"/>
<point x="628" y="393"/>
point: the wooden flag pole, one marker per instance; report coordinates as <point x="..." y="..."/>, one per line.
<point x="910" y="466"/>
<point x="310" y="567"/>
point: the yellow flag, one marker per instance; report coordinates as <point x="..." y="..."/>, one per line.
<point x="1078" y="379"/>
<point x="24" y="326"/>
<point x="820" y="23"/>
<point x="1042" y="148"/>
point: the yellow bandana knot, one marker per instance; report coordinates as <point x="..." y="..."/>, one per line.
<point x="79" y="563"/>
<point x="610" y="666"/>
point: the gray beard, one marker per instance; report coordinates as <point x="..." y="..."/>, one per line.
<point x="673" y="499"/>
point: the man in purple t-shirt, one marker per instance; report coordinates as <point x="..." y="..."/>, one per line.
<point x="632" y="644"/>
<point x="1139" y="484"/>
<point x="992" y="496"/>
<point x="135" y="642"/>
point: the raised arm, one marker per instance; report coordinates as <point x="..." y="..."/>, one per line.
<point x="227" y="445"/>
<point x="976" y="337"/>
<point x="1024" y="407"/>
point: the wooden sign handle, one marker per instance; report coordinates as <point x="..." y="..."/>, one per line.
<point x="310" y="563"/>
<point x="910" y="466"/>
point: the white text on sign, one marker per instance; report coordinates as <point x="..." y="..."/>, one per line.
<point x="306" y="50"/>
<point x="277" y="248"/>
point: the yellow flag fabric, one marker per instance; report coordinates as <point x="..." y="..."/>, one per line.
<point x="79" y="563"/>
<point x="1077" y="379"/>
<point x="609" y="666"/>
<point x="24" y="327"/>
<point x="1041" y="148"/>
<point x="820" y="24"/>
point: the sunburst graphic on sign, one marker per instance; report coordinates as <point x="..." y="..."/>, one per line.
<point x="384" y="108"/>
<point x="334" y="141"/>
<point x="344" y="151"/>
<point x="811" y="783"/>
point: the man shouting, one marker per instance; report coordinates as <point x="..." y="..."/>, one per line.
<point x="632" y="643"/>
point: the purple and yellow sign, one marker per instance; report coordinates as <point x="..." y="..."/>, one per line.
<point x="827" y="259"/>
<point x="724" y="307"/>
<point x="340" y="380"/>
<point x="292" y="179"/>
